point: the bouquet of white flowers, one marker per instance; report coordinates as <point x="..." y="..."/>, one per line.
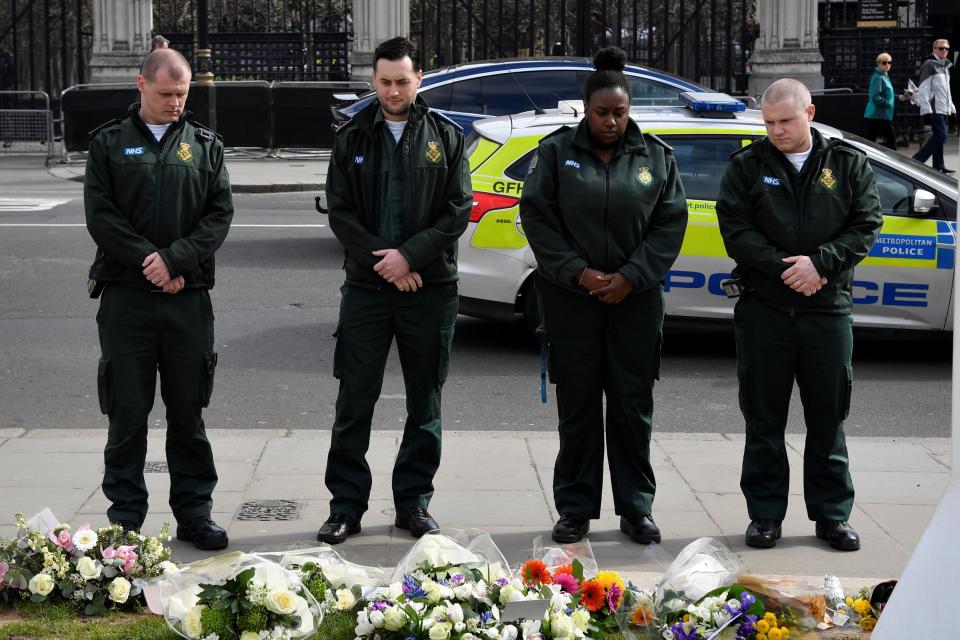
<point x="237" y="596"/>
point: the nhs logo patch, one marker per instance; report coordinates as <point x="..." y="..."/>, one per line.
<point x="133" y="151"/>
<point x="357" y="159"/>
<point x="572" y="163"/>
<point x="773" y="182"/>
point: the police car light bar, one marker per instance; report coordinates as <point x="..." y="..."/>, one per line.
<point x="711" y="102"/>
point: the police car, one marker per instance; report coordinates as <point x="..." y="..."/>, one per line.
<point x="905" y="282"/>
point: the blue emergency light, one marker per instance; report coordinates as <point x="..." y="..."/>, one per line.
<point x="704" y="102"/>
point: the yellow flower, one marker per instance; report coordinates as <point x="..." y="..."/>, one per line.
<point x="861" y="606"/>
<point x="607" y="578"/>
<point x="849" y="601"/>
<point x="763" y="626"/>
<point x="771" y="619"/>
<point x="867" y="623"/>
<point x="762" y="636"/>
<point x="774" y="634"/>
<point x="784" y="633"/>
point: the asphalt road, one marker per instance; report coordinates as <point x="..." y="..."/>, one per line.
<point x="276" y="304"/>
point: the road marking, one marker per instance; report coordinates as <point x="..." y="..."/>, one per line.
<point x="29" y="204"/>
<point x="233" y="226"/>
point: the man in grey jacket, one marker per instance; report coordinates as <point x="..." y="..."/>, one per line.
<point x="933" y="96"/>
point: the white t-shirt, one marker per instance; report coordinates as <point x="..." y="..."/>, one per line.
<point x="797" y="159"/>
<point x="396" y="128"/>
<point x="158" y="130"/>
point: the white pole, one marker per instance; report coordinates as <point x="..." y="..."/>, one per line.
<point x="923" y="604"/>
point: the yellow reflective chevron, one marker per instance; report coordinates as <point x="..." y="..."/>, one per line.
<point x="481" y="152"/>
<point x="499" y="230"/>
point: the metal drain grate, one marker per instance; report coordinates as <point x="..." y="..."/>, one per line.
<point x="155" y="467"/>
<point x="269" y="510"/>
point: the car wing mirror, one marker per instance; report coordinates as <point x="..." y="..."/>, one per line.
<point x="923" y="201"/>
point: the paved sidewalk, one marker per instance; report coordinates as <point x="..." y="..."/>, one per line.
<point x="500" y="482"/>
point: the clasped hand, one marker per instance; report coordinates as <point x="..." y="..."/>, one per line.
<point x="155" y="270"/>
<point x="802" y="276"/>
<point x="395" y="269"/>
<point x="610" y="288"/>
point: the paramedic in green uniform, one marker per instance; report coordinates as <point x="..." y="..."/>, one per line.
<point x="158" y="206"/>
<point x="399" y="196"/>
<point x="605" y="213"/>
<point x="797" y="212"/>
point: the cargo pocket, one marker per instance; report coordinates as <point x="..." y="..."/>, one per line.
<point x="338" y="353"/>
<point x="846" y="392"/>
<point x="744" y="393"/>
<point x="206" y="379"/>
<point x="443" y="361"/>
<point x="103" y="384"/>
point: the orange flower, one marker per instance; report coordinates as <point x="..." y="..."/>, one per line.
<point x="641" y="617"/>
<point x="592" y="595"/>
<point x="535" y="572"/>
<point x="567" y="568"/>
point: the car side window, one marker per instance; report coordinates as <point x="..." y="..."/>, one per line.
<point x="647" y="92"/>
<point x="895" y="192"/>
<point x="701" y="161"/>
<point x="518" y="169"/>
<point x="547" y="88"/>
<point x="467" y="96"/>
<point x="437" y="97"/>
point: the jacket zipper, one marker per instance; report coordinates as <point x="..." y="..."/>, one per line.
<point x="606" y="209"/>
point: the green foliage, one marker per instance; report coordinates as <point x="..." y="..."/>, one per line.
<point x="255" y="619"/>
<point x="218" y="621"/>
<point x="337" y="625"/>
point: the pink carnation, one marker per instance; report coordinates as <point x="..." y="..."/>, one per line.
<point x="567" y="582"/>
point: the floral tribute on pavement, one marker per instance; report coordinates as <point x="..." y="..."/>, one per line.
<point x="94" y="570"/>
<point x="451" y="585"/>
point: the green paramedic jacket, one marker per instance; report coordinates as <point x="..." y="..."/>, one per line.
<point x="437" y="195"/>
<point x="830" y="212"/>
<point x="142" y="196"/>
<point x="628" y="216"/>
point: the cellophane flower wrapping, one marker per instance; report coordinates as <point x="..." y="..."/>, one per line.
<point x="470" y="548"/>
<point x="336" y="583"/>
<point x="704" y="565"/>
<point x="555" y="557"/>
<point x="234" y="594"/>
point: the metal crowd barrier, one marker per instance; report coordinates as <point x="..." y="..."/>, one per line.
<point x="26" y="122"/>
<point x="277" y="118"/>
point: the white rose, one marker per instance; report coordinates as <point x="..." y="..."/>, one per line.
<point x="249" y="635"/>
<point x="119" y="590"/>
<point x="394" y="618"/>
<point x="395" y="591"/>
<point x="191" y="622"/>
<point x="345" y="599"/>
<point x="432" y="589"/>
<point x="561" y="626"/>
<point x="168" y="568"/>
<point x="469" y="636"/>
<point x="509" y="593"/>
<point x="376" y="618"/>
<point x="440" y="631"/>
<point x="85" y="540"/>
<point x="41" y="584"/>
<point x="509" y="632"/>
<point x="88" y="568"/>
<point x="581" y="618"/>
<point x="281" y="601"/>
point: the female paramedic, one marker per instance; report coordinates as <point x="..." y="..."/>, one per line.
<point x="605" y="213"/>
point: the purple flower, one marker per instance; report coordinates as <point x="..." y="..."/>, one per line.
<point x="747" y="626"/>
<point x="411" y="589"/>
<point x="746" y="599"/>
<point x="379" y="605"/>
<point x="613" y="596"/>
<point x="485" y="616"/>
<point x="457" y="578"/>
<point x="680" y="634"/>
<point x="503" y="582"/>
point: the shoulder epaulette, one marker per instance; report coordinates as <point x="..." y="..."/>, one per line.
<point x="111" y="123"/>
<point x="205" y="134"/>
<point x="652" y="137"/>
<point x="744" y="149"/>
<point x="846" y="146"/>
<point x="445" y="118"/>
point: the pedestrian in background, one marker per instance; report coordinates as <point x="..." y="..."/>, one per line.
<point x="159" y="42"/>
<point x="936" y="105"/>
<point x="158" y="205"/>
<point x="399" y="196"/>
<point x="605" y="213"/>
<point x="797" y="212"/>
<point x="880" y="103"/>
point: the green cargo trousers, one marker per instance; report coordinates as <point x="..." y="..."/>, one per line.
<point x="774" y="348"/>
<point x="599" y="349"/>
<point x="422" y="323"/>
<point x="141" y="333"/>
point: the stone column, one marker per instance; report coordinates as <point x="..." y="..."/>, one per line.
<point x="373" y="22"/>
<point x="121" y="39"/>
<point x="787" y="45"/>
